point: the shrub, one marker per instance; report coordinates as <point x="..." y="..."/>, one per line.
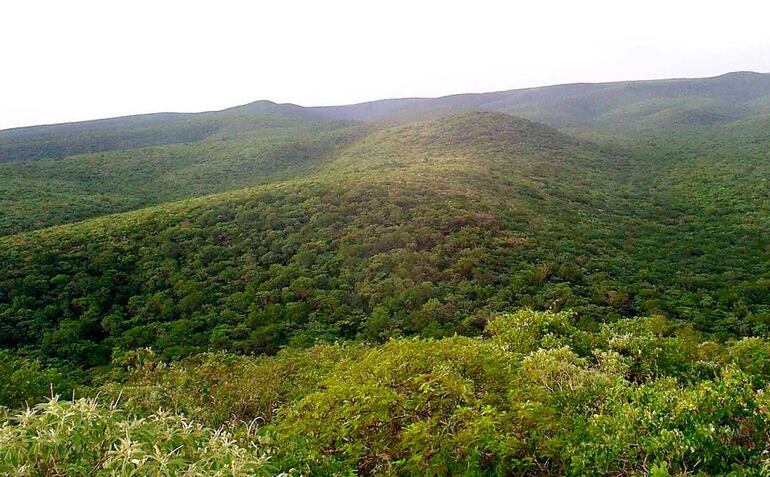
<point x="83" y="438"/>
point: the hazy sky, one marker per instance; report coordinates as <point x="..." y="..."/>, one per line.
<point x="72" y="60"/>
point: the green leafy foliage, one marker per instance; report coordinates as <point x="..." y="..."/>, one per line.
<point x="84" y="438"/>
<point x="560" y="401"/>
<point x="24" y="380"/>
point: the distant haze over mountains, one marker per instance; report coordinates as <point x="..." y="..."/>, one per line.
<point x="635" y="104"/>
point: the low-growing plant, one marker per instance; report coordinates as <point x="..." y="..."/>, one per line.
<point x="84" y="438"/>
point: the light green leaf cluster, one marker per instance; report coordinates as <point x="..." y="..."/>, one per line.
<point x="85" y="438"/>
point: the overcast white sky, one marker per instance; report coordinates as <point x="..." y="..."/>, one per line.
<point x="75" y="59"/>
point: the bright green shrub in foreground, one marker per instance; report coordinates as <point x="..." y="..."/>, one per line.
<point x="83" y="438"/>
<point x="219" y="387"/>
<point x="714" y="427"/>
<point x="535" y="396"/>
<point x="412" y="405"/>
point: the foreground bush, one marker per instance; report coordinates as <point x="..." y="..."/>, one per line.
<point x="536" y="396"/>
<point x="83" y="438"/>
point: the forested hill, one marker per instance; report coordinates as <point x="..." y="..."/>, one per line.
<point x="630" y="104"/>
<point x="426" y="228"/>
<point x="406" y="287"/>
<point x="652" y="104"/>
<point x="51" y="175"/>
<point x="131" y="132"/>
<point x="40" y="193"/>
<point x="409" y="230"/>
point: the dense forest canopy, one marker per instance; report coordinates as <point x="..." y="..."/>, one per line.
<point x="406" y="287"/>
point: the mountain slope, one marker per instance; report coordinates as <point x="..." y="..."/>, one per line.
<point x="358" y="258"/>
<point x="132" y="132"/>
<point x="426" y="228"/>
<point x="647" y="104"/>
<point x="411" y="248"/>
<point x="652" y="104"/>
<point x="45" y="192"/>
<point x="152" y="159"/>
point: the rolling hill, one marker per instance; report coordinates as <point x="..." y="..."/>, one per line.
<point x="631" y="104"/>
<point x="568" y="280"/>
<point x="45" y="192"/>
<point x="63" y="173"/>
<point x="341" y="240"/>
<point x="648" y="104"/>
<point x="426" y="228"/>
<point x="131" y="132"/>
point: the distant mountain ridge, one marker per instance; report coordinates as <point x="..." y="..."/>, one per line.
<point x="646" y="104"/>
<point x="575" y="104"/>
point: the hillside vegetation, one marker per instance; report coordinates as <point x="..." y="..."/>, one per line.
<point x="132" y="132"/>
<point x="419" y="229"/>
<point x="45" y="192"/>
<point x="406" y="287"/>
<point x="120" y="164"/>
